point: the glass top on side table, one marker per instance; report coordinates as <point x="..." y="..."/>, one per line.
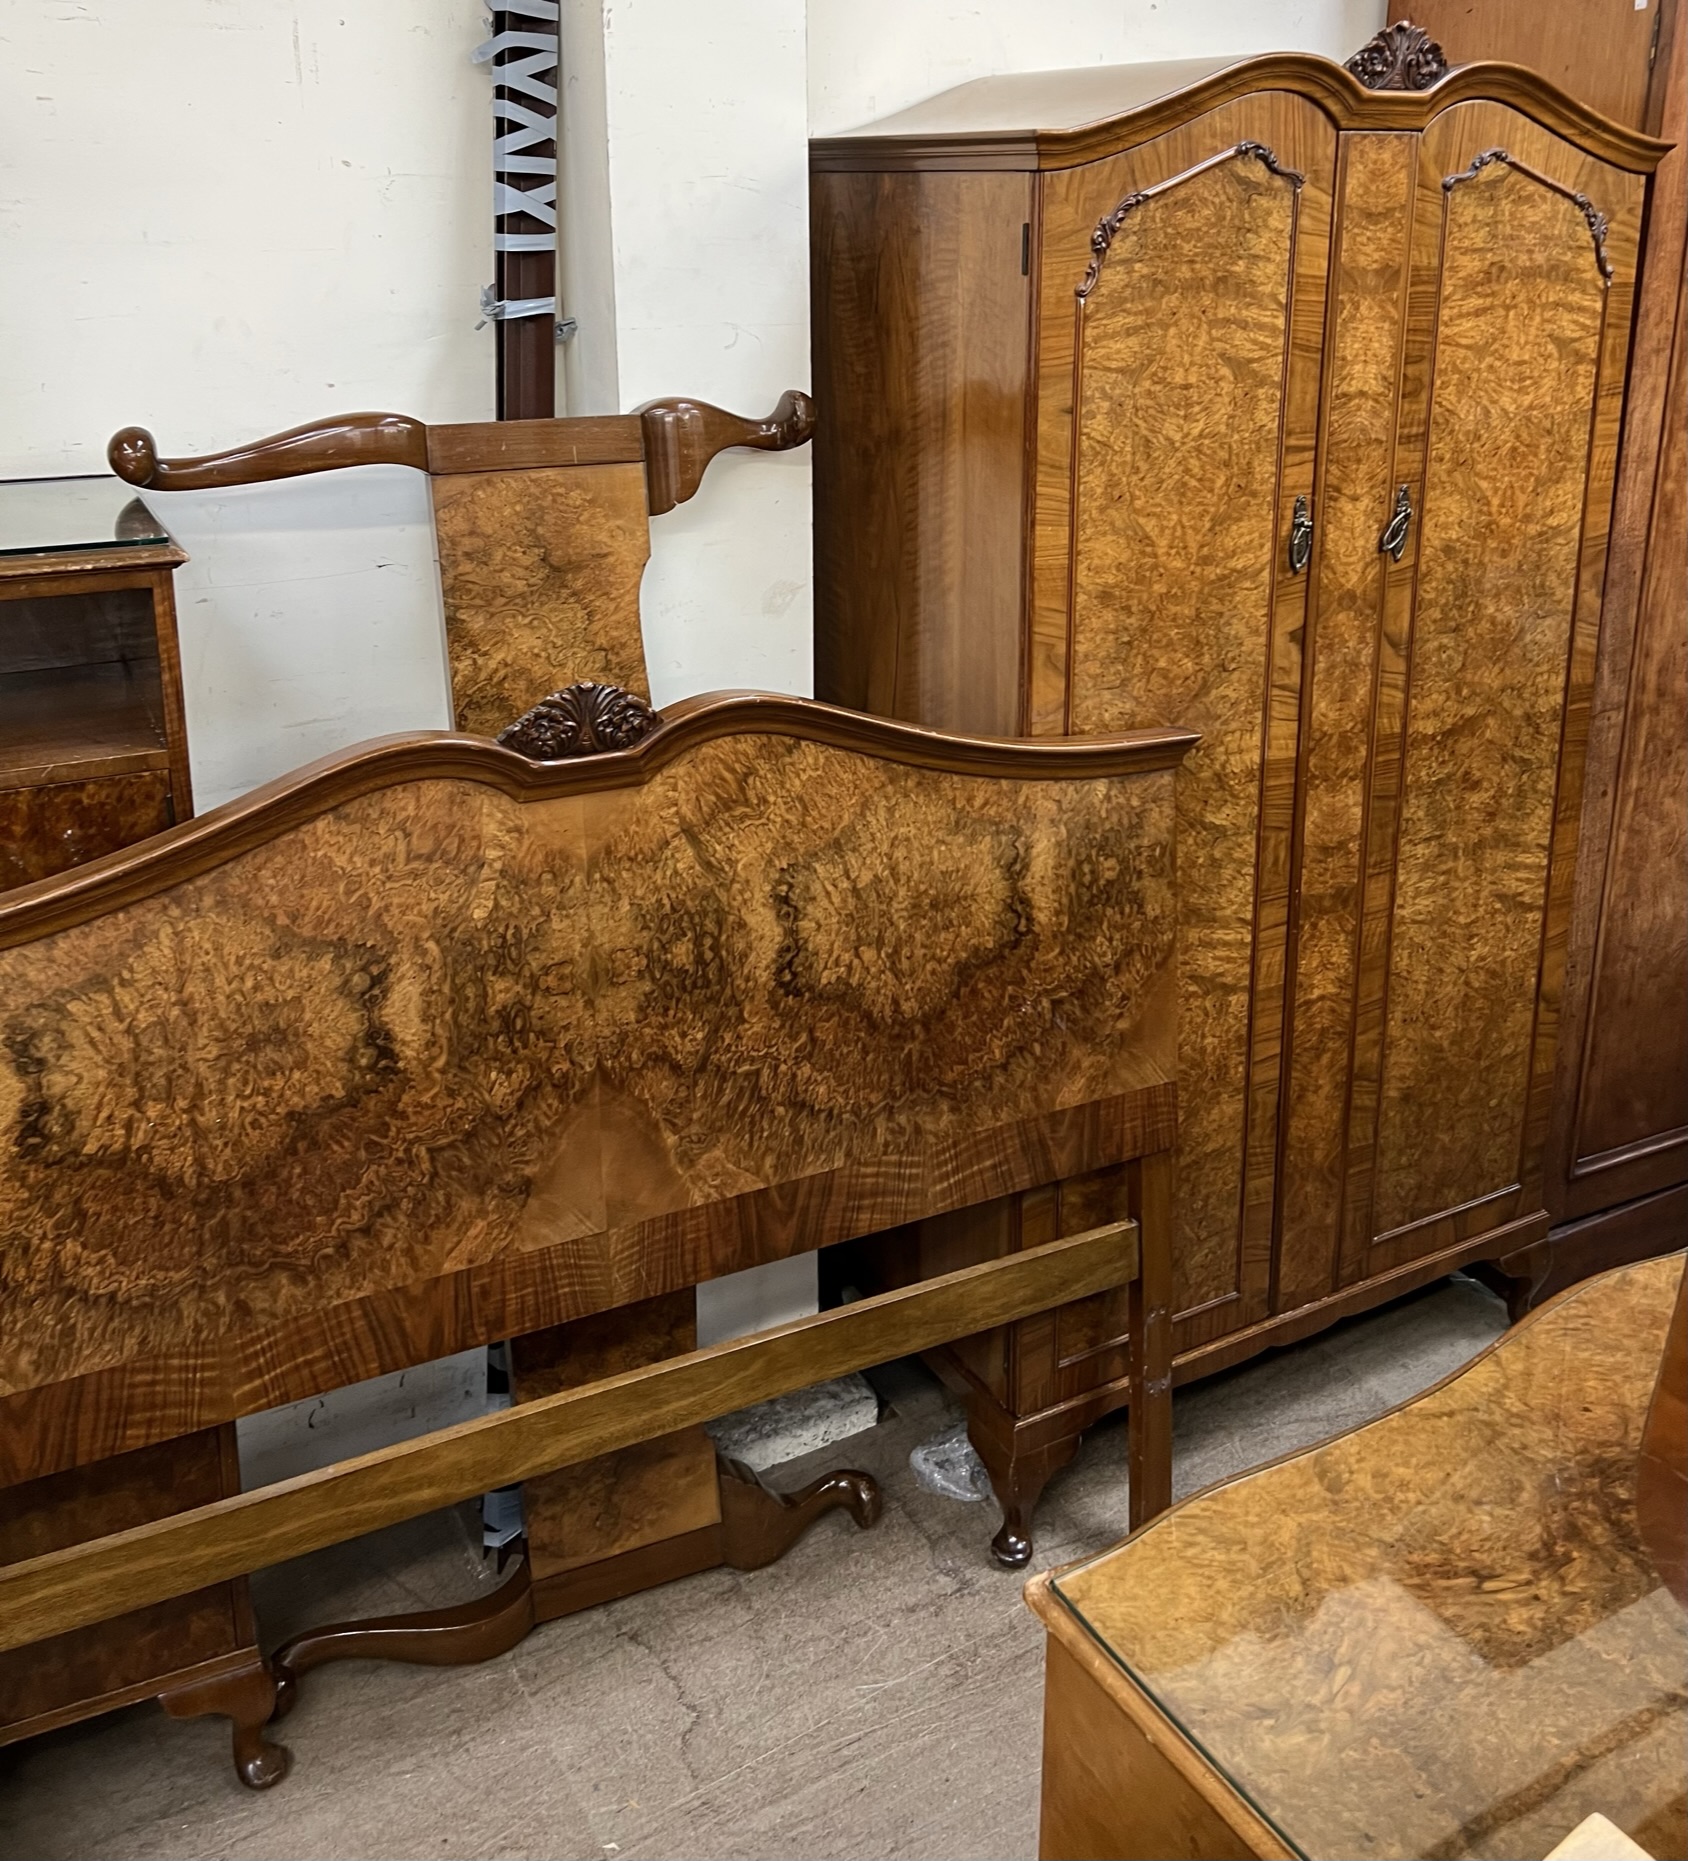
<point x="40" y="516"/>
<point x="1440" y="1635"/>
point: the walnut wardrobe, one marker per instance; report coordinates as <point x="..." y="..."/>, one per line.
<point x="1279" y="400"/>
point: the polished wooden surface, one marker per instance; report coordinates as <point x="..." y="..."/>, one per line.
<point x="1050" y="120"/>
<point x="1602" y="52"/>
<point x="48" y="828"/>
<point x="752" y="1527"/>
<point x="1108" y="1755"/>
<point x="674" y="438"/>
<point x="1621" y="1127"/>
<point x="88" y="1582"/>
<point x="93" y="735"/>
<point x="620" y="1006"/>
<point x="1490" y="621"/>
<point x="37" y="1686"/>
<point x="1177" y="400"/>
<point x="321" y="446"/>
<point x="658" y="1489"/>
<point x="540" y="572"/>
<point x="921" y="320"/>
<point x="1393" y="748"/>
<point x="1367" y="327"/>
<point x="1439" y="1633"/>
<point x="196" y="1653"/>
<point x="1633" y="1107"/>
<point x="681" y="436"/>
<point x="1661" y="1478"/>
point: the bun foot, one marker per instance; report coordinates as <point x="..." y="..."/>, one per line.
<point x="1011" y="1548"/>
<point x="1018" y="1476"/>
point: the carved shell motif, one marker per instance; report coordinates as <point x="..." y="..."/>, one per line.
<point x="1401" y="57"/>
<point x="582" y="720"/>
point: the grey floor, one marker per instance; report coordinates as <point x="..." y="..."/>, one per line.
<point x="873" y="1694"/>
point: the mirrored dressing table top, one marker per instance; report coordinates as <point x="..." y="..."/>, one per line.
<point x="1439" y="1635"/>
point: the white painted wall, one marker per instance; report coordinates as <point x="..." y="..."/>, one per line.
<point x="225" y="217"/>
<point x="870" y="57"/>
<point x="685" y="204"/>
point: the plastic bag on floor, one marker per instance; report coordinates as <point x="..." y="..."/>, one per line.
<point x="949" y="1466"/>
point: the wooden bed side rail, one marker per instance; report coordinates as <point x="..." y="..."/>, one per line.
<point x="222" y="834"/>
<point x="675" y="439"/>
<point x="103" y="1577"/>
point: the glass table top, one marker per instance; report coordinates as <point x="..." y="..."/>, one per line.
<point x="49" y="514"/>
<point x="1440" y="1635"/>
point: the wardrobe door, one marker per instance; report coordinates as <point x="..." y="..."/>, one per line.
<point x="1180" y="304"/>
<point x="1495" y="513"/>
<point x="1366" y="326"/>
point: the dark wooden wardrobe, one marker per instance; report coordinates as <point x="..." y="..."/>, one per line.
<point x="1280" y="400"/>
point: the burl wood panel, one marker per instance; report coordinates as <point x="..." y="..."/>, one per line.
<point x="922" y="313"/>
<point x="540" y="574"/>
<point x="1368" y="325"/>
<point x="1634" y="1087"/>
<point x="1522" y="319"/>
<point x="49" y="830"/>
<point x="555" y="1055"/>
<point x="1183" y="387"/>
<point x="87" y="1502"/>
<point x="1440" y="1634"/>
<point x="642" y="1495"/>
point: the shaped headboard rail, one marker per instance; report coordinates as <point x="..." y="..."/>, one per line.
<point x="431" y="1043"/>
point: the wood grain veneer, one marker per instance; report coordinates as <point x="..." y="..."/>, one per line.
<point x="1527" y="343"/>
<point x="60" y="1591"/>
<point x="536" y="1042"/>
<point x="1439" y="1633"/>
<point x="540" y="572"/>
<point x="1159" y="567"/>
<point x="93" y="736"/>
<point x="1267" y="304"/>
<point x="1621" y="1127"/>
<point x="1601" y="52"/>
<point x="924" y="346"/>
<point x="1367" y="328"/>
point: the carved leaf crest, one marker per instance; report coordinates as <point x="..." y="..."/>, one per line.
<point x="1400" y="57"/>
<point x="584" y="719"/>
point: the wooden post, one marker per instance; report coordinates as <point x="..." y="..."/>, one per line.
<point x="524" y="55"/>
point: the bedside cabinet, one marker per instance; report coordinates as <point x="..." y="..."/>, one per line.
<point x="93" y="745"/>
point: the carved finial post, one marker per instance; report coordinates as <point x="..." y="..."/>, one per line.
<point x="582" y="720"/>
<point x="1400" y="57"/>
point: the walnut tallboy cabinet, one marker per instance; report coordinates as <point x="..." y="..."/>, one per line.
<point x="1279" y="400"/>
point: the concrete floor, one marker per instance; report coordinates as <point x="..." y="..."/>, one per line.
<point x="873" y="1694"/>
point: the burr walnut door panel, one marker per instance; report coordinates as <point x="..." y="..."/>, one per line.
<point x="1366" y="330"/>
<point x="1518" y="303"/>
<point x="1181" y="304"/>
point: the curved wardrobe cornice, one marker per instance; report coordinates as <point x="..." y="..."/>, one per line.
<point x="953" y="131"/>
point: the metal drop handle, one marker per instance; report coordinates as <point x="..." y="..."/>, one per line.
<point x="1393" y="541"/>
<point x="1300" y="538"/>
